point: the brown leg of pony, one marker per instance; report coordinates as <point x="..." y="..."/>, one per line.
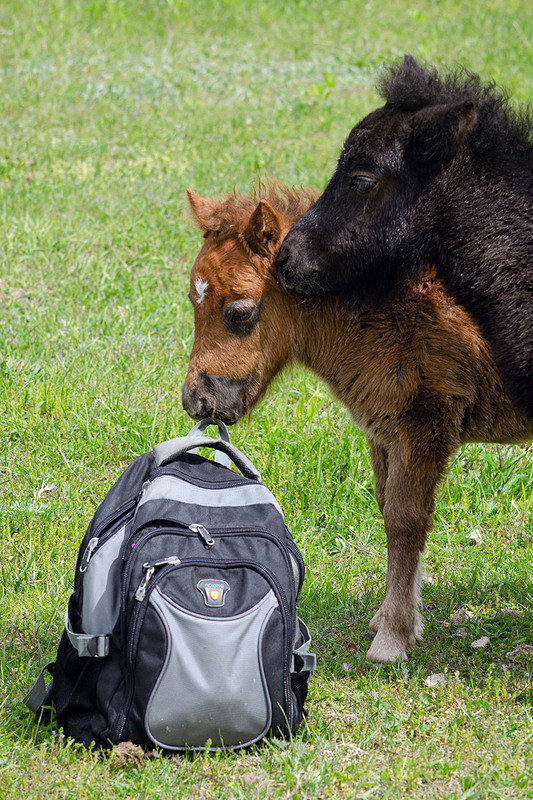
<point x="379" y="460"/>
<point x="416" y="463"/>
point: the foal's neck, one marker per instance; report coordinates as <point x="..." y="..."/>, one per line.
<point x="322" y="331"/>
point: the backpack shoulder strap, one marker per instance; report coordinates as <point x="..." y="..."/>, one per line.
<point x="37" y="695"/>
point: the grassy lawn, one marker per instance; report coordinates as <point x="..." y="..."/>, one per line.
<point x="110" y="110"/>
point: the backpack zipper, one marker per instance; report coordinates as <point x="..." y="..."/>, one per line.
<point x="181" y="529"/>
<point x="89" y="550"/>
<point x="207" y="536"/>
<point x="148" y="569"/>
<point x="204" y="533"/>
<point x="242" y="481"/>
<point x="239" y="480"/>
<point x="100" y="535"/>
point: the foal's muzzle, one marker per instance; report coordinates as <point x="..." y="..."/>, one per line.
<point x="214" y="396"/>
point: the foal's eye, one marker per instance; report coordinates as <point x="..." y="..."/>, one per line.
<point x="241" y="316"/>
<point x="363" y="184"/>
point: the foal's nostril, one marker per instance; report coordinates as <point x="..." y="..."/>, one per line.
<point x="192" y="403"/>
<point x="288" y="280"/>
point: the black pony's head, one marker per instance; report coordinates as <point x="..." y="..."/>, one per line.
<point x="399" y="165"/>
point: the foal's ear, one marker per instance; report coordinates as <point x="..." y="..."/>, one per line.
<point x="204" y="211"/>
<point x="263" y="231"/>
<point x="439" y="131"/>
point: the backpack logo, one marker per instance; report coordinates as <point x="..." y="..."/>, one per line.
<point x="214" y="592"/>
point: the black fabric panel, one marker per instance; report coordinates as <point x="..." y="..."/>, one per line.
<point x="247" y="588"/>
<point x="127" y="487"/>
<point x="125" y="490"/>
<point x="198" y="467"/>
<point x="274" y="655"/>
<point x="74" y="693"/>
<point x="264" y="516"/>
<point x="157" y="546"/>
<point x="149" y="661"/>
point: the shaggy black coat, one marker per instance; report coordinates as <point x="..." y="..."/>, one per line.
<point x="442" y="174"/>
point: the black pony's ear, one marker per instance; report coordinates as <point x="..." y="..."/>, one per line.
<point x="439" y="131"/>
<point x="263" y="231"/>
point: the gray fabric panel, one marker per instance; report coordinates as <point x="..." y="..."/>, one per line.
<point x="101" y="586"/>
<point x="169" y="487"/>
<point x="212" y="685"/>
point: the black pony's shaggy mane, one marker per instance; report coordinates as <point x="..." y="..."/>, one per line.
<point x="410" y="86"/>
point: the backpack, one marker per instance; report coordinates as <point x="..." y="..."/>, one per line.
<point x="181" y="632"/>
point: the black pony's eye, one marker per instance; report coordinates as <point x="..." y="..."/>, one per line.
<point x="241" y="316"/>
<point x="363" y="184"/>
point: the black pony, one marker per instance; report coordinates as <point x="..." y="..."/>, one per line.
<point x="441" y="175"/>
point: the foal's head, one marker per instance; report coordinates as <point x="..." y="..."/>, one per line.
<point x="242" y="321"/>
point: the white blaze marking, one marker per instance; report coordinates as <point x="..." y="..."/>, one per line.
<point x="200" y="285"/>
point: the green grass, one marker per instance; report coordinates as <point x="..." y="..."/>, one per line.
<point x="110" y="110"/>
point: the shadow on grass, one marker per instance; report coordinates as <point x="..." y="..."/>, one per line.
<point x="503" y="612"/>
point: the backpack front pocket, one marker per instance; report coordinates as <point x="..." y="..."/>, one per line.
<point x="212" y="685"/>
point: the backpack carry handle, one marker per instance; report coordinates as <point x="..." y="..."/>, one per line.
<point x="201" y="427"/>
<point x="165" y="452"/>
<point x="223" y="433"/>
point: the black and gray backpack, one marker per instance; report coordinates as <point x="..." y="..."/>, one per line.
<point x="182" y="630"/>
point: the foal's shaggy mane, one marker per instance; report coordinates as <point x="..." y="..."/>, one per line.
<point x="409" y="86"/>
<point x="236" y="208"/>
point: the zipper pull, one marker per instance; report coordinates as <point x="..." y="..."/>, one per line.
<point x="144" y="487"/>
<point x="204" y="533"/>
<point x="89" y="550"/>
<point x="149" y="568"/>
<point x="141" y="589"/>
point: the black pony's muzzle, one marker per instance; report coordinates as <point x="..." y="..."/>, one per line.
<point x="297" y="269"/>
